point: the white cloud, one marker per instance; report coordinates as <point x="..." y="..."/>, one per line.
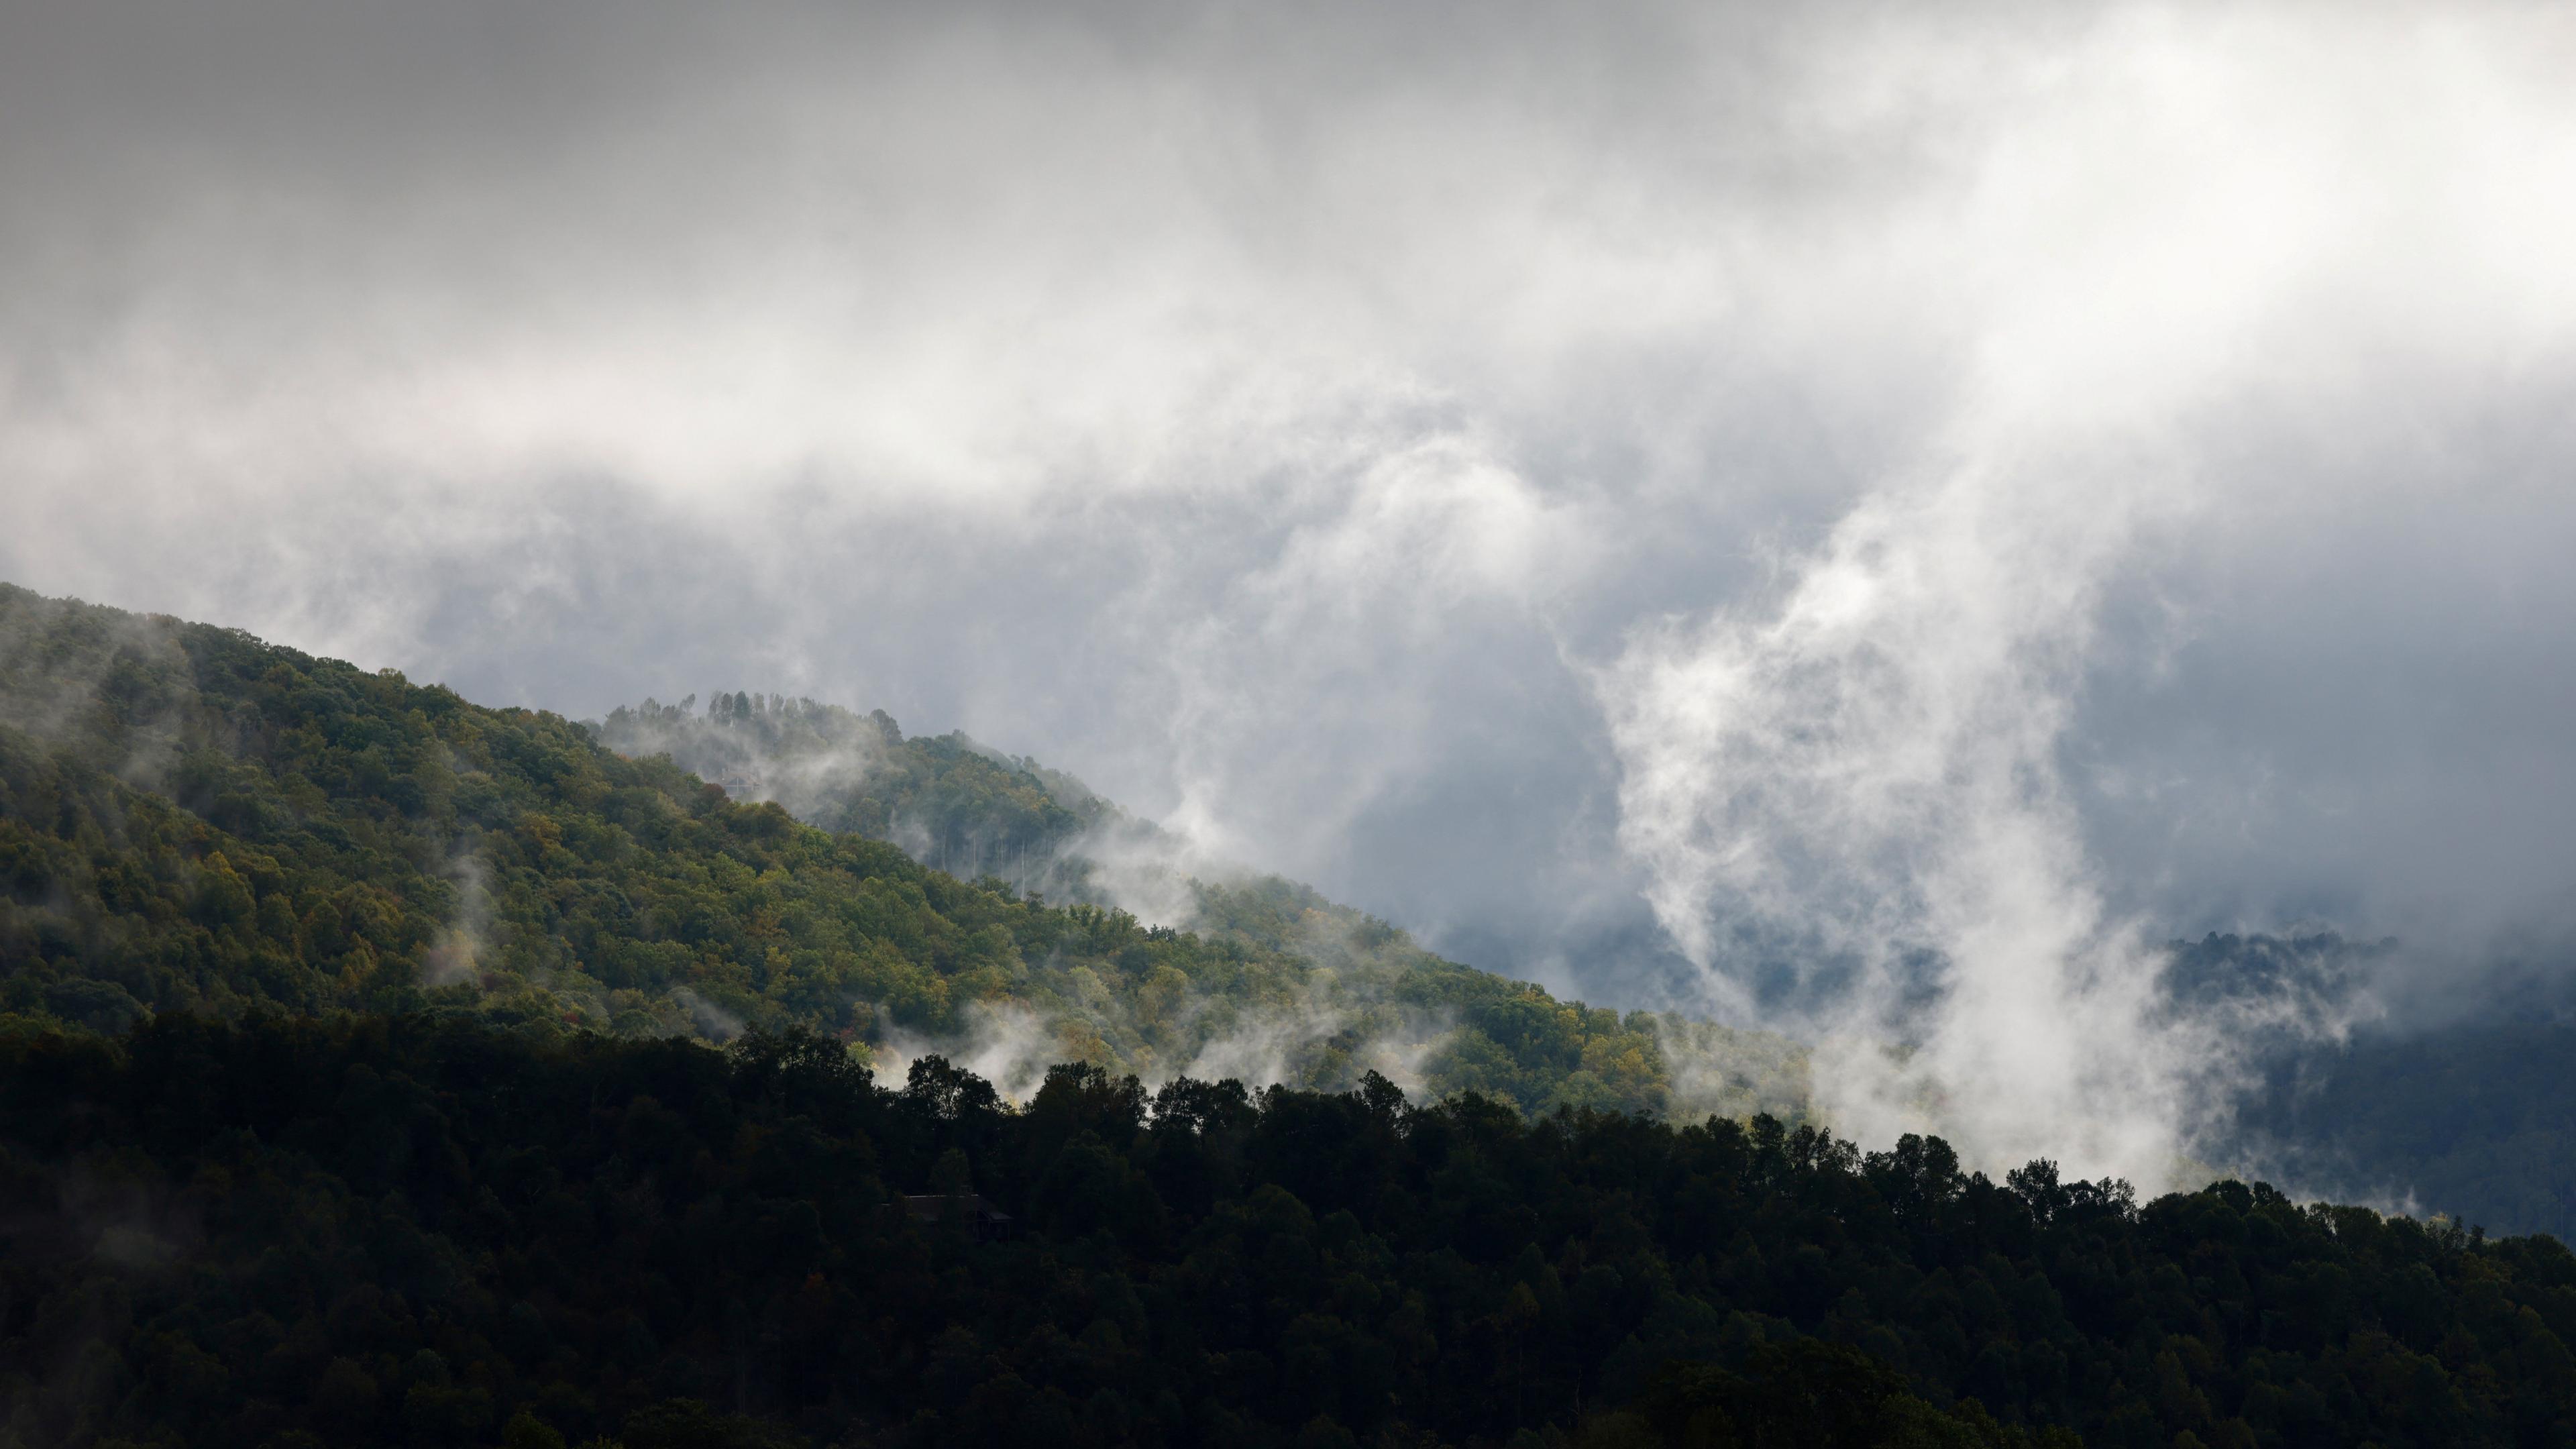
<point x="1290" y="423"/>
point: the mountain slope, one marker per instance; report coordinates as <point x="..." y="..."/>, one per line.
<point x="191" y="819"/>
<point x="950" y="799"/>
<point x="2470" y="1119"/>
<point x="2476" y="1120"/>
<point x="950" y="802"/>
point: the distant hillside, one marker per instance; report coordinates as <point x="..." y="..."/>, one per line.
<point x="194" y="820"/>
<point x="2475" y="1119"/>
<point x="951" y="802"/>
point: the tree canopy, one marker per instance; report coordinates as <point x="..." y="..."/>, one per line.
<point x="193" y="820"/>
<point x="447" y="1230"/>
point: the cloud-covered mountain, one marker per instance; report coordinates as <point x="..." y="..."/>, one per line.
<point x="1716" y="507"/>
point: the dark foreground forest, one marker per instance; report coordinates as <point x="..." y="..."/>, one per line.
<point x="435" y="1229"/>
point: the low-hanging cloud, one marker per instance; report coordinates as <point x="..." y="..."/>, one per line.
<point x="1862" y="770"/>
<point x="1654" y="497"/>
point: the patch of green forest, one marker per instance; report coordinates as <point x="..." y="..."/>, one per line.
<point x="193" y="820"/>
<point x="449" y="1230"/>
<point x="952" y="802"/>
<point x="2470" y="1118"/>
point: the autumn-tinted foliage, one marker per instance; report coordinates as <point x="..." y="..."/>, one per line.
<point x="444" y="1231"/>
<point x="193" y="820"/>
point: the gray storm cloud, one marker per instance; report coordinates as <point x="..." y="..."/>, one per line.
<point x="1600" y="485"/>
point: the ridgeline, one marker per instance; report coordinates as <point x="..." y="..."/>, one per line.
<point x="360" y="1083"/>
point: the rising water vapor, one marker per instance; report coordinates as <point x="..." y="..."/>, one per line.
<point x="1866" y="781"/>
<point x="1851" y="793"/>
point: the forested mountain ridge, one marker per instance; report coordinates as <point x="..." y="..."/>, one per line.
<point x="956" y="804"/>
<point x="344" y="1100"/>
<point x="191" y="819"/>
<point x="950" y="798"/>
<point x="2468" y="1119"/>
<point x="951" y="802"/>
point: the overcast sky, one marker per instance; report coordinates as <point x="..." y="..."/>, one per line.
<point x="1628" y="491"/>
